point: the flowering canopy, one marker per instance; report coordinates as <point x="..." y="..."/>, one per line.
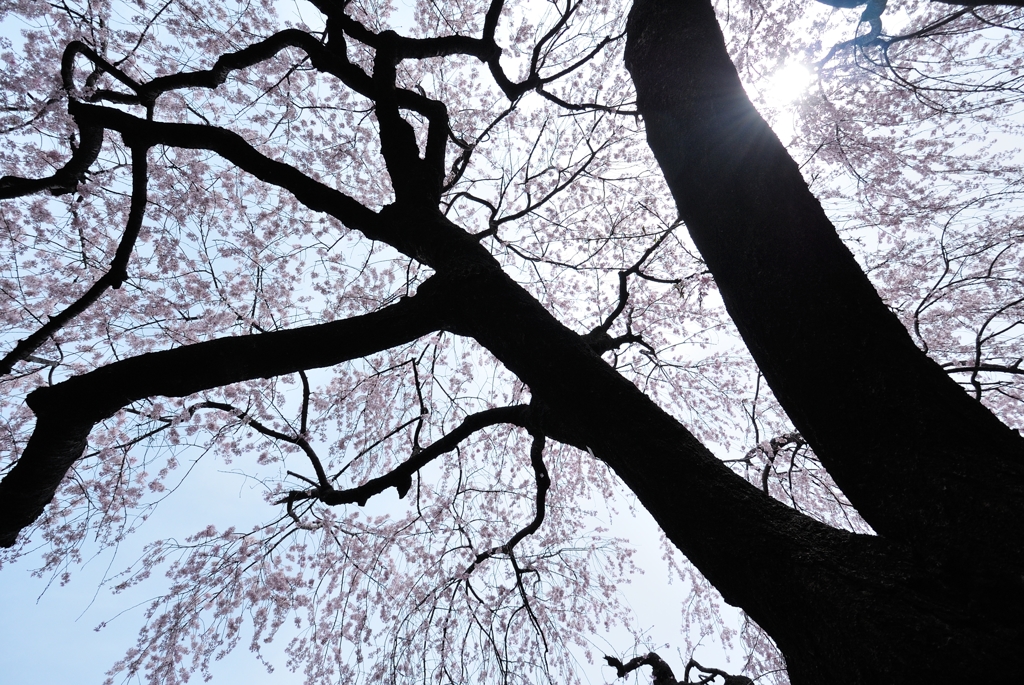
<point x="349" y="249"/>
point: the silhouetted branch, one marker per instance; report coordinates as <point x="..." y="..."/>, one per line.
<point x="400" y="477"/>
<point x="65" y="179"/>
<point x="238" y="151"/>
<point x="543" y="481"/>
<point x="297" y="440"/>
<point x="114" y="277"/>
<point x="598" y="338"/>
<point x="993" y="368"/>
<point x="66" y="412"/>
<point x="663" y="674"/>
<point x="712" y="674"/>
<point x="659" y="669"/>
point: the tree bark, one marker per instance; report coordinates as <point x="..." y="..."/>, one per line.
<point x="927" y="466"/>
<point x="844" y="608"/>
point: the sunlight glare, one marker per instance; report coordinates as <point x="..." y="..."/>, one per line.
<point x="787" y="84"/>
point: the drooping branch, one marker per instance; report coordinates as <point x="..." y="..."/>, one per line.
<point x="926" y="30"/>
<point x="319" y="56"/>
<point x="114" y="277"/>
<point x="66" y="412"/>
<point x="543" y="483"/>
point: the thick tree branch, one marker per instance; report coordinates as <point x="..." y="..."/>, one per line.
<point x="662" y="673"/>
<point x="381" y="88"/>
<point x="713" y="673"/>
<point x="65" y="179"/>
<point x="238" y="151"/>
<point x="415" y="180"/>
<point x="66" y="412"/>
<point x="434" y="242"/>
<point x="114" y="277"/>
<point x="405" y="47"/>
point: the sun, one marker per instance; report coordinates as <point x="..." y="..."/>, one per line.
<point x="780" y="93"/>
<point x="787" y="84"/>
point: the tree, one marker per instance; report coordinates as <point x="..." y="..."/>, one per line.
<point x="509" y="224"/>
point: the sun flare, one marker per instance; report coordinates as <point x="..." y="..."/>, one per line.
<point x="787" y="84"/>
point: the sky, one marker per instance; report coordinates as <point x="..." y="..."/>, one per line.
<point x="47" y="632"/>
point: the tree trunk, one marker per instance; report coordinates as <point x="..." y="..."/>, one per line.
<point x="927" y="466"/>
<point x="844" y="608"/>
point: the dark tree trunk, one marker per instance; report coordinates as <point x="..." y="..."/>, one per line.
<point x="844" y="608"/>
<point x="927" y="466"/>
